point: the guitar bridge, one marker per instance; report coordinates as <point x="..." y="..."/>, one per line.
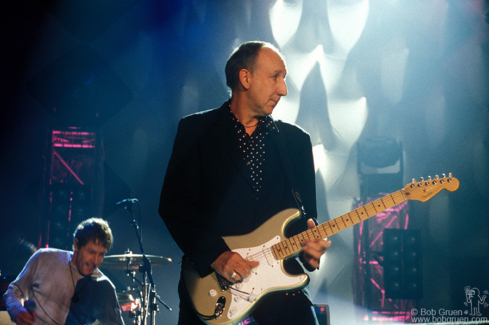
<point x="223" y="283"/>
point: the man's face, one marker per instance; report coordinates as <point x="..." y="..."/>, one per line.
<point x="267" y="82"/>
<point x="89" y="257"/>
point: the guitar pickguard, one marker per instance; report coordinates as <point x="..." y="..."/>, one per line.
<point x="266" y="278"/>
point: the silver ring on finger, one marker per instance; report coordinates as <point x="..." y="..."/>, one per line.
<point x="233" y="275"/>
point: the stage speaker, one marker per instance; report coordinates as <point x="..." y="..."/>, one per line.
<point x="402" y="264"/>
<point x="322" y="313"/>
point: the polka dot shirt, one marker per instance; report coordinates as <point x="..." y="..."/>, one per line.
<point x="253" y="148"/>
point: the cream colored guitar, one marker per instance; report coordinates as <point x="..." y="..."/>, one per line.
<point x="219" y="302"/>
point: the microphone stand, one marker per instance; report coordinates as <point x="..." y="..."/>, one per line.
<point x="149" y="295"/>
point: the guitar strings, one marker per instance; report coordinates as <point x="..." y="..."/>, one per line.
<point x="262" y="255"/>
<point x="288" y="244"/>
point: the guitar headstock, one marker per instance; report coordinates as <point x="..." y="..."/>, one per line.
<point x="423" y="190"/>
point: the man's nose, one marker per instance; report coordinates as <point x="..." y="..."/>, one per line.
<point x="282" y="90"/>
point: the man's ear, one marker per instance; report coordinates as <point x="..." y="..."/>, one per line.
<point x="245" y="78"/>
<point x="75" y="245"/>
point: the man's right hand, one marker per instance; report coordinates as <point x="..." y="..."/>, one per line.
<point x="25" y="318"/>
<point x="229" y="263"/>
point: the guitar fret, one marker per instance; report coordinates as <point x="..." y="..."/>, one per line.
<point x="363" y="213"/>
<point x="380" y="206"/>
<point x="330" y="230"/>
<point x="316" y="233"/>
<point x="334" y="226"/>
<point x="399" y="195"/>
<point x="370" y="208"/>
<point x="276" y="252"/>
<point x="344" y="224"/>
<point x="340" y="223"/>
<point x="295" y="243"/>
<point x="308" y="235"/>
<point x="287" y="246"/>
<point x="387" y="204"/>
<point x="301" y="239"/>
<point x="388" y="201"/>
<point x="358" y="215"/>
<point x="283" y="245"/>
<point x="282" y="249"/>
<point x="349" y="222"/>
<point x="355" y="216"/>
<point x="322" y="232"/>
<point x="325" y="230"/>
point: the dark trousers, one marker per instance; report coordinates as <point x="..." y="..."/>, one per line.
<point x="293" y="308"/>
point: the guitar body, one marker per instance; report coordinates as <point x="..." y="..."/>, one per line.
<point x="219" y="302"/>
<point x="266" y="278"/>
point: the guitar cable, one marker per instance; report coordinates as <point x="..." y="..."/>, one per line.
<point x="206" y="317"/>
<point x="225" y="285"/>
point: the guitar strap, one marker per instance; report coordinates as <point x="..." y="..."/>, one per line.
<point x="284" y="156"/>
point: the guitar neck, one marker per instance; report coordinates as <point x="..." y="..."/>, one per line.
<point x="293" y="245"/>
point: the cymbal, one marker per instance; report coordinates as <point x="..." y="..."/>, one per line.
<point x="124" y="298"/>
<point x="131" y="261"/>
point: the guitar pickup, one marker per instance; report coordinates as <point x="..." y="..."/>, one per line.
<point x="268" y="255"/>
<point x="253" y="269"/>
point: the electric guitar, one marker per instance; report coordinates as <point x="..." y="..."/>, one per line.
<point x="219" y="302"/>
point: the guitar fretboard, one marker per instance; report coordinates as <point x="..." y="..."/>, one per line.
<point x="293" y="245"/>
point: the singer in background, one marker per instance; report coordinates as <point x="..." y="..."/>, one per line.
<point x="62" y="287"/>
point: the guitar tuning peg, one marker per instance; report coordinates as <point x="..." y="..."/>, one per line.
<point x="421" y="179"/>
<point x="444" y="176"/>
<point x="413" y="180"/>
<point x="437" y="177"/>
<point x="450" y="175"/>
<point x="429" y="178"/>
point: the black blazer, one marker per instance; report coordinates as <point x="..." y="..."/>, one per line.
<point x="206" y="195"/>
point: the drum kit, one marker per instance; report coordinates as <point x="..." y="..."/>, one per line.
<point x="146" y="302"/>
<point x="141" y="306"/>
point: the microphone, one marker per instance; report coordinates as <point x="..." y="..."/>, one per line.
<point x="126" y="202"/>
<point x="30" y="306"/>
